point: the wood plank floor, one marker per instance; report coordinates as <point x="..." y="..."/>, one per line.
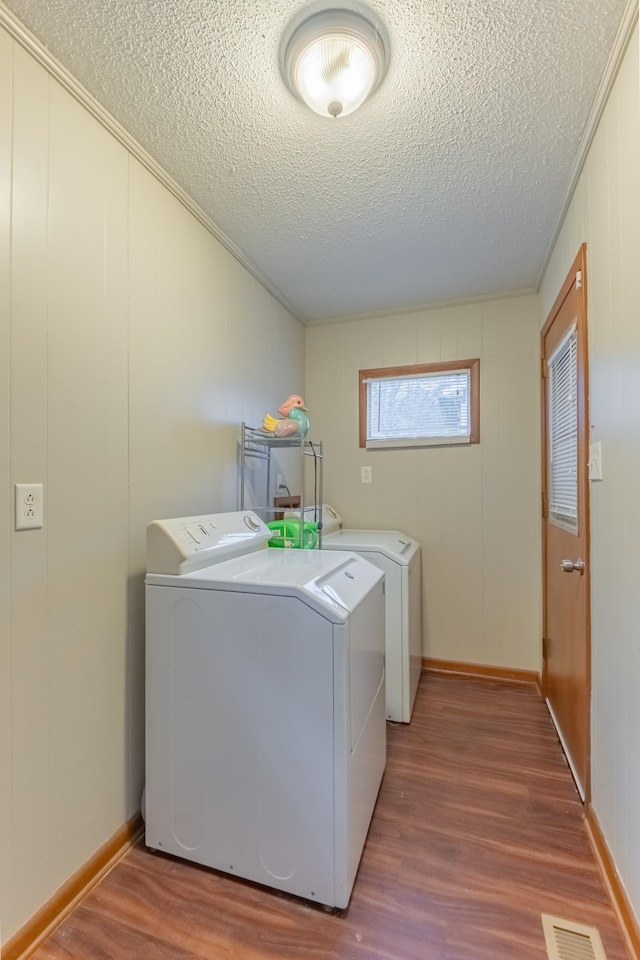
<point x="477" y="831"/>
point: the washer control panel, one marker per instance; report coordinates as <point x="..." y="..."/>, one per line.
<point x="184" y="544"/>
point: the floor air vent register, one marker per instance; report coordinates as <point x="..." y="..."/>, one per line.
<point x="571" y="941"/>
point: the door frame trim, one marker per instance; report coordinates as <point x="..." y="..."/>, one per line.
<point x="579" y="264"/>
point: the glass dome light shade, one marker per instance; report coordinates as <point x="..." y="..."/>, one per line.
<point x="335" y="72"/>
<point x="334" y="61"/>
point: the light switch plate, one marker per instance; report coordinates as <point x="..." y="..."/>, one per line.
<point x="595" y="461"/>
<point x="29" y="506"/>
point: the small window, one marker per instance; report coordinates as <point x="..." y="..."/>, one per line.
<point x="563" y="433"/>
<point x="426" y="404"/>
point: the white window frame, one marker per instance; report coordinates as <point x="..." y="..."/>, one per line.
<point x="422" y="370"/>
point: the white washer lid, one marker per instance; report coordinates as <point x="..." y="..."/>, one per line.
<point x="391" y="543"/>
<point x="331" y="583"/>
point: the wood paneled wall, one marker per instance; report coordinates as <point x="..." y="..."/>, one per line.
<point x="605" y="212"/>
<point x="132" y="344"/>
<point x="475" y="509"/>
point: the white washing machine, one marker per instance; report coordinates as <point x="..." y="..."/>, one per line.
<point x="265" y="721"/>
<point x="400" y="558"/>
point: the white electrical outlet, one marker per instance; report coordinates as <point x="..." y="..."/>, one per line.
<point x="29" y="506"/>
<point x="366" y="475"/>
<point x="279" y="482"/>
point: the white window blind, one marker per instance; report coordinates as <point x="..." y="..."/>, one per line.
<point x="563" y="433"/>
<point x="432" y="407"/>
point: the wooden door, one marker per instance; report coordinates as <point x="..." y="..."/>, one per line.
<point x="565" y="490"/>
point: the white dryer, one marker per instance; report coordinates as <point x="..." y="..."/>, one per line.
<point x="265" y="721"/>
<point x="400" y="558"/>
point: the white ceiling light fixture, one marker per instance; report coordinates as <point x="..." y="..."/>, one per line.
<point x="334" y="60"/>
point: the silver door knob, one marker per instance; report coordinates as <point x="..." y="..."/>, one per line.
<point x="572" y="566"/>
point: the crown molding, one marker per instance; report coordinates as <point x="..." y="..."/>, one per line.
<point x="29" y="42"/>
<point x="623" y="36"/>
<point x="421" y="307"/>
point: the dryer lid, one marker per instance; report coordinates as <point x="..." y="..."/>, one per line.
<point x="392" y="543"/>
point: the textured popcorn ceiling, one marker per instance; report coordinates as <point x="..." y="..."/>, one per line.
<point x="446" y="184"/>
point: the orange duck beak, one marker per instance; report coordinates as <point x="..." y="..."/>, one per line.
<point x="293" y="401"/>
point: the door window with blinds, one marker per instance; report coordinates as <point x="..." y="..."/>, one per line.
<point x="563" y="433"/>
<point x="427" y="404"/>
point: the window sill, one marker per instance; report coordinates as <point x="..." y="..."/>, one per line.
<point x="404" y="442"/>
